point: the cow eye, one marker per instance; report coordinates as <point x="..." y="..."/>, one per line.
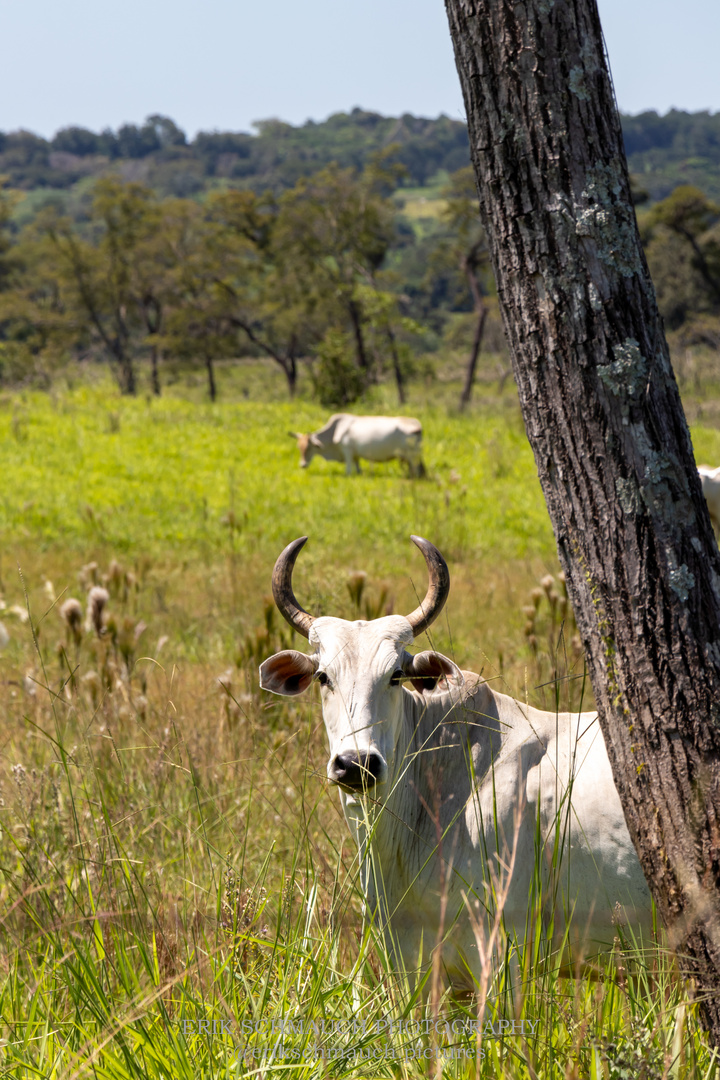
<point x="397" y="677"/>
<point x="322" y="678"/>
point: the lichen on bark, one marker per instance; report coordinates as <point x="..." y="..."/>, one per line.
<point x="607" y="218"/>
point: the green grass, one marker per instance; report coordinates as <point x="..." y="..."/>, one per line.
<point x="169" y="851"/>
<point x="162" y="475"/>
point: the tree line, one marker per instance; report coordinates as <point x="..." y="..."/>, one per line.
<point x="329" y="270"/>
<point x="301" y="274"/>
<point x="678" y="148"/>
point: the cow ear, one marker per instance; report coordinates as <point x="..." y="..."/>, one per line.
<point x="294" y="434"/>
<point x="288" y="673"/>
<point x="315" y="441"/>
<point x="425" y="668"/>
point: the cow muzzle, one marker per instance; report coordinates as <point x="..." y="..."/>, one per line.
<point x="357" y="771"/>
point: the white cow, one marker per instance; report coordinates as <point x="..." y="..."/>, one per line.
<point x="441" y="777"/>
<point x="375" y="438"/>
<point x="710" y="480"/>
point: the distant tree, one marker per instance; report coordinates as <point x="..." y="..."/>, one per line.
<point x="196" y="325"/>
<point x="225" y="153"/>
<point x="76" y="140"/>
<point x="264" y="294"/>
<point x="166" y="131"/>
<point x="37" y="325"/>
<point x="99" y="280"/>
<point x="135" y="142"/>
<point x="464" y="253"/>
<point x="7" y="203"/>
<point x="681" y="236"/>
<point x="335" y="229"/>
<point x="691" y="216"/>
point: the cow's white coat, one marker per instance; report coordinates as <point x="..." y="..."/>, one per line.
<point x="461" y="763"/>
<point x="710" y="480"/>
<point x="374" y="438"/>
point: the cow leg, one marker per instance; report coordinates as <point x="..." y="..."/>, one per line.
<point x="348" y="456"/>
<point x="352" y="461"/>
<point x="416" y="467"/>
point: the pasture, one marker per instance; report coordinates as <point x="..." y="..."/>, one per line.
<point x="178" y="889"/>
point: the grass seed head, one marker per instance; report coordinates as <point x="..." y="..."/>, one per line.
<point x="88" y="575"/>
<point x="548" y="583"/>
<point x="71" y="613"/>
<point x="92" y="682"/>
<point x="356" y="582"/>
<point x="97" y="599"/>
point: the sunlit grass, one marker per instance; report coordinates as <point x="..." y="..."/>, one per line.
<point x="170" y="851"/>
<point x="162" y="474"/>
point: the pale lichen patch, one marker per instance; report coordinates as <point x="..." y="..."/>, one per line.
<point x="588" y="55"/>
<point x="676" y="510"/>
<point x="609" y="219"/>
<point x="576" y="82"/>
<point x="628" y="496"/>
<point x="627" y="374"/>
<point x="595" y="301"/>
<point x="681" y="581"/>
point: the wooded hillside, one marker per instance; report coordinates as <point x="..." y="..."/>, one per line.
<point x="350" y="250"/>
<point x="679" y="148"/>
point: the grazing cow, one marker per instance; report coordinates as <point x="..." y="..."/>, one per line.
<point x="448" y="785"/>
<point x="710" y="480"/>
<point x="376" y="438"/>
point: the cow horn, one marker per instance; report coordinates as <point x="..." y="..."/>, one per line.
<point x="283" y="594"/>
<point x="438" y="588"/>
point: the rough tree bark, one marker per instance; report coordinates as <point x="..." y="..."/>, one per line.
<point x="612" y="448"/>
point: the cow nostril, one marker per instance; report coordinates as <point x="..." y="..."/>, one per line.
<point x="356" y="771"/>
<point x="374" y="765"/>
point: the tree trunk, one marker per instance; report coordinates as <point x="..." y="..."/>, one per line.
<point x="154" y="371"/>
<point x="286" y="360"/>
<point x="126" y="370"/>
<point x="611" y="444"/>
<point x="211" y="378"/>
<point x="469" y="264"/>
<point x="289" y="366"/>
<point x="291" y="376"/>
<point x="152" y="313"/>
<point x="355" y="319"/>
<point x="472" y="361"/>
<point x="397" y="368"/>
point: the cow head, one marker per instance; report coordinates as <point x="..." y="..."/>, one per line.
<point x="362" y="668"/>
<point x="307" y="445"/>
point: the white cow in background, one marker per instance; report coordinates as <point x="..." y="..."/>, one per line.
<point x="375" y="438"/>
<point x="710" y="480"/>
<point x="446" y="783"/>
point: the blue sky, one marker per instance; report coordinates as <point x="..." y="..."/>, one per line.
<point x="224" y="63"/>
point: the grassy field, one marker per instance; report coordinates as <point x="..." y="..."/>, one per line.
<point x="175" y="875"/>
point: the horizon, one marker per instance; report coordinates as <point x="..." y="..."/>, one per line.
<point x="309" y="121"/>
